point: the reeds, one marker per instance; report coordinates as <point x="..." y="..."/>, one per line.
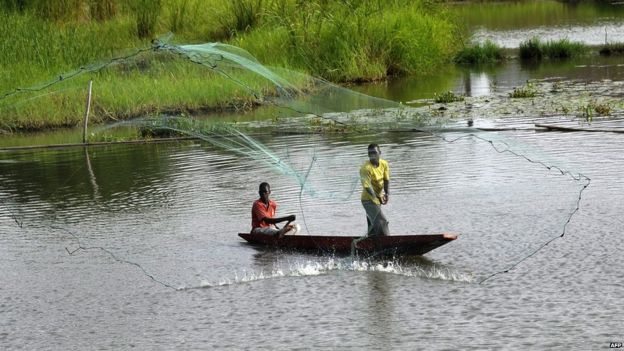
<point x="339" y="41"/>
<point x="355" y="41"/>
<point x="245" y="15"/>
<point x="480" y="53"/>
<point x="146" y="13"/>
<point x="535" y="49"/>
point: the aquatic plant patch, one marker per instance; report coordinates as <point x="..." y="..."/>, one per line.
<point x="488" y="52"/>
<point x="447" y="97"/>
<point x="528" y="91"/>
<point x="536" y="49"/>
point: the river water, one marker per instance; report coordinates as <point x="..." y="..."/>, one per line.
<point x="163" y="267"/>
<point x="135" y="246"/>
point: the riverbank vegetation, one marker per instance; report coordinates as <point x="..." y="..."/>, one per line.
<point x="535" y="49"/>
<point x="340" y="41"/>
<point x="487" y="52"/>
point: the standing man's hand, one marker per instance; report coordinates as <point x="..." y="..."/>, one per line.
<point x="383" y="199"/>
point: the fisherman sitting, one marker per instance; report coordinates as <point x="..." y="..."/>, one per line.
<point x="263" y="219"/>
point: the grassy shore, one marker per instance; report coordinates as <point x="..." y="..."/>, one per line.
<point x="339" y="41"/>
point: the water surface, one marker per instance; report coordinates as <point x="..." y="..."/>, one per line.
<point x="161" y="266"/>
<point x="508" y="23"/>
<point x="174" y="210"/>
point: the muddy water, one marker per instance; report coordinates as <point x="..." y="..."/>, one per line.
<point x="161" y="266"/>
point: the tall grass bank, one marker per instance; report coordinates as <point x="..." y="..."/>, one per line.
<point x="342" y="41"/>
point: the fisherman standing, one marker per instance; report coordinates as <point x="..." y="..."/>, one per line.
<point x="375" y="178"/>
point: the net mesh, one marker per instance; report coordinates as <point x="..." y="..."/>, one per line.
<point x="298" y="104"/>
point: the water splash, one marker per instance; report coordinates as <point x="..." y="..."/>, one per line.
<point x="307" y="100"/>
<point x="316" y="268"/>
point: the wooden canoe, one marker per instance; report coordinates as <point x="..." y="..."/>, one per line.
<point x="379" y="245"/>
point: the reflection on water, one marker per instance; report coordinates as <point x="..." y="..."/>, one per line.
<point x="505" y="15"/>
<point x="508" y="23"/>
<point x="594" y="35"/>
<point x="483" y="81"/>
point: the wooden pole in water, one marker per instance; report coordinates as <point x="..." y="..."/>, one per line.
<point x="86" y="116"/>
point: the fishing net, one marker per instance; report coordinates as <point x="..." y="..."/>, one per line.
<point x="322" y="174"/>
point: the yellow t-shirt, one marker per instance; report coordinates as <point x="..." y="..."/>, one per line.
<point x="372" y="176"/>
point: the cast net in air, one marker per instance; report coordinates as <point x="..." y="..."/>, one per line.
<point x="445" y="176"/>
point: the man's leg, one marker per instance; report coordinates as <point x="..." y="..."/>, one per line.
<point x="265" y="231"/>
<point x="377" y="222"/>
<point x="382" y="224"/>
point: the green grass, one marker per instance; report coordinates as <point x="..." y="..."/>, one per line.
<point x="487" y="52"/>
<point x="347" y="43"/>
<point x="535" y="49"/>
<point x="448" y="97"/>
<point x="524" y="92"/>
<point x="122" y="92"/>
<point x="340" y="41"/>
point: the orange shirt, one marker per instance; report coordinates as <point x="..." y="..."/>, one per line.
<point x="260" y="211"/>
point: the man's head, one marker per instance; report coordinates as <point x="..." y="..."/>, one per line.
<point x="264" y="190"/>
<point x="373" y="153"/>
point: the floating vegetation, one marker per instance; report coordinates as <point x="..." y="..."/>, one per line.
<point x="557" y="87"/>
<point x="528" y="91"/>
<point x="565" y="102"/>
<point x="592" y="108"/>
<point x="448" y="97"/>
